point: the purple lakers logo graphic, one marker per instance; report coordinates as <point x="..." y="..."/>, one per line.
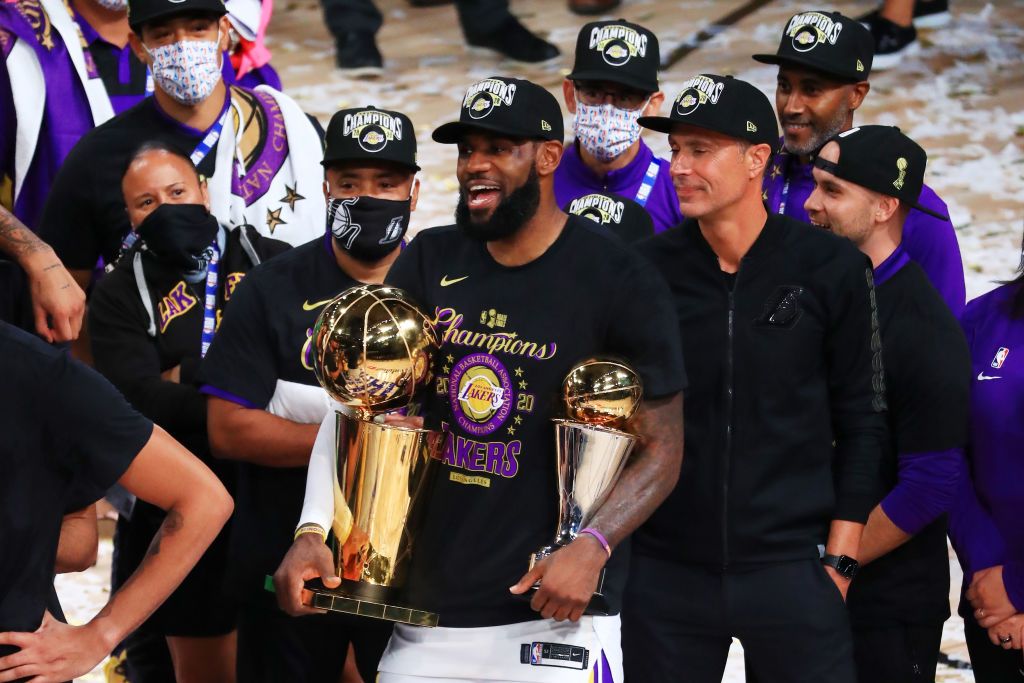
<point x="480" y="393"/>
<point x="175" y="303"/>
<point x="1000" y="357"/>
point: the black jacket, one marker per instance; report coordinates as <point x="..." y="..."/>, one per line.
<point x="783" y="359"/>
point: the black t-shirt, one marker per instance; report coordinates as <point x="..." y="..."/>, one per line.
<point x="65" y="429"/>
<point x="927" y="383"/>
<point x="262" y="355"/>
<point x="514" y="334"/>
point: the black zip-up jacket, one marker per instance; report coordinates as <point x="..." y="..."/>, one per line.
<point x="784" y="419"/>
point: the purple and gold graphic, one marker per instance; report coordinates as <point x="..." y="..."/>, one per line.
<point x="480" y="392"/>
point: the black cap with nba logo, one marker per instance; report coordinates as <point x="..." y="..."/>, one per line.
<point x="722" y="104"/>
<point x="143" y="11"/>
<point x="621" y="215"/>
<point x="512" y="107"/>
<point x="827" y="42"/>
<point x="368" y="133"/>
<point x="619" y="52"/>
<point x="881" y="159"/>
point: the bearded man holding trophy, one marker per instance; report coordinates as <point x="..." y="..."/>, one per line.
<point x="530" y="309"/>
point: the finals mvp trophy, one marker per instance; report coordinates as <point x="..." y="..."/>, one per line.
<point x="373" y="352"/>
<point x="599" y="396"/>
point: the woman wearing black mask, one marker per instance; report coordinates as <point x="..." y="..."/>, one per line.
<point x="151" y="320"/>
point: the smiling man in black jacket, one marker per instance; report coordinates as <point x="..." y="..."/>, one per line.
<point x="785" y="422"/>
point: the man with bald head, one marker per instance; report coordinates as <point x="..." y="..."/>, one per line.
<point x="150" y="322"/>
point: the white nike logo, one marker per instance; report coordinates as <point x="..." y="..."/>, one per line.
<point x="982" y="376"/>
<point x="445" y="281"/>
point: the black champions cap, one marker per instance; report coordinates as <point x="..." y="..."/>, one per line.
<point x="619" y="52"/>
<point x="827" y="42"/>
<point x="881" y="159"/>
<point x="621" y="215"/>
<point x="143" y="11"/>
<point x="723" y="104"/>
<point x="506" y="106"/>
<point x="367" y="133"/>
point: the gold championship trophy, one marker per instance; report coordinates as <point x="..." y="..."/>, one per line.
<point x="373" y="352"/>
<point x="600" y="395"/>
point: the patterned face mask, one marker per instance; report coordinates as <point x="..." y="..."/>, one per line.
<point x="114" y="5"/>
<point x="188" y="70"/>
<point x="606" y="131"/>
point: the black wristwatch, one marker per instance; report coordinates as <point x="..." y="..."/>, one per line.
<point x="844" y="564"/>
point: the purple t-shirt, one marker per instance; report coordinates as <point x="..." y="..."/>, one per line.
<point x="929" y="241"/>
<point x="985" y="524"/>
<point x="573" y="179"/>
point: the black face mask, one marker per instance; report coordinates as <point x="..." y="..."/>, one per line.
<point x="508" y="217"/>
<point x="179" y="236"/>
<point x="367" y="227"/>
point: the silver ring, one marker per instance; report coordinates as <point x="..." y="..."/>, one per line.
<point x="1005" y="639"/>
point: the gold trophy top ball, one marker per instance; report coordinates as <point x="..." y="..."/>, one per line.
<point x="602" y="391"/>
<point x="373" y="349"/>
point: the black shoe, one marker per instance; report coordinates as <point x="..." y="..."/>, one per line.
<point x="357" y="55"/>
<point x="893" y="43"/>
<point x="927" y="14"/>
<point x="513" y="40"/>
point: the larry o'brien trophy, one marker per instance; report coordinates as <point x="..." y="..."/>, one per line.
<point x="373" y="353"/>
<point x="599" y="396"/>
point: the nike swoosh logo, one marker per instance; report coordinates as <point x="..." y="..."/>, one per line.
<point x="982" y="376"/>
<point x="445" y="281"/>
<point x="306" y="306"/>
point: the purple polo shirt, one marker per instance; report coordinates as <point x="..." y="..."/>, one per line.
<point x="124" y="76"/>
<point x="929" y="241"/>
<point x="573" y="179"/>
<point x="985" y="524"/>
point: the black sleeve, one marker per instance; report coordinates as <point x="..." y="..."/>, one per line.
<point x="125" y="354"/>
<point x="316" y="126"/>
<point x="931" y="407"/>
<point x="643" y="328"/>
<point x="103" y="433"/>
<point x="68" y="223"/>
<point x="241" y="364"/>
<point x="406" y="273"/>
<point x="853" y="355"/>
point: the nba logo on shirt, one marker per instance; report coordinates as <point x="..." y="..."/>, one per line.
<point x="1000" y="357"/>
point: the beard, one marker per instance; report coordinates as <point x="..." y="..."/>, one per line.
<point x="508" y="217"/>
<point x="820" y="135"/>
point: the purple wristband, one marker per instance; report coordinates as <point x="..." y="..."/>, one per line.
<point x="600" y="538"/>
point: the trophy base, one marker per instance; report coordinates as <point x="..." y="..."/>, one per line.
<point x="337" y="601"/>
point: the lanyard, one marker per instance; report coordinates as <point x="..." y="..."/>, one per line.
<point x="212" y="135"/>
<point x="210" y="302"/>
<point x="647" y="184"/>
<point x="785" y="194"/>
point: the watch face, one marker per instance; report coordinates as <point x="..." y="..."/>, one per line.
<point x="846" y="566"/>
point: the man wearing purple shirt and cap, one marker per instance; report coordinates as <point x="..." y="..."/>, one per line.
<point x="868" y="182"/>
<point x="824" y="61"/>
<point x="985" y="523"/>
<point x="613" y="83"/>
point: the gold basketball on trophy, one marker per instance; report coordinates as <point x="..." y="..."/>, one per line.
<point x="373" y="348"/>
<point x="602" y="391"/>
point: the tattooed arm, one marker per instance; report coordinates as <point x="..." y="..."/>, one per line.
<point x="58" y="303"/>
<point x="570" y="575"/>
<point x="163" y="473"/>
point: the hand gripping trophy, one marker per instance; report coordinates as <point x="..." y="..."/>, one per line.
<point x="373" y="353"/>
<point x="599" y="396"/>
